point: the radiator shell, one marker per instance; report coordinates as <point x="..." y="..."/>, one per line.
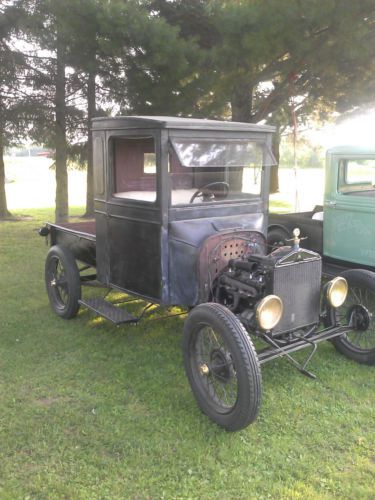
<point x="297" y="281"/>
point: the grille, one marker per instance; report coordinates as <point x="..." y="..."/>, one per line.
<point x="298" y="285"/>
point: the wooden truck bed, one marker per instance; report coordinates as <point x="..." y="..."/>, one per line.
<point x="79" y="237"/>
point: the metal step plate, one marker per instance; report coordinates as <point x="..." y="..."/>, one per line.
<point x="109" y="311"/>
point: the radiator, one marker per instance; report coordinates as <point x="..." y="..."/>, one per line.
<point x="298" y="286"/>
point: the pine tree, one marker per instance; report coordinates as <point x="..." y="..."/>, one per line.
<point x="13" y="108"/>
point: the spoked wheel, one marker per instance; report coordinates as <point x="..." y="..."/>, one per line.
<point x="62" y="282"/>
<point x="222" y="366"/>
<point x="359" y="308"/>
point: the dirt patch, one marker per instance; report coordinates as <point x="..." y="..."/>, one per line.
<point x="18" y="218"/>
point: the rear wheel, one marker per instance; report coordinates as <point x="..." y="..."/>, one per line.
<point x="358" y="344"/>
<point x="222" y="366"/>
<point x="62" y="281"/>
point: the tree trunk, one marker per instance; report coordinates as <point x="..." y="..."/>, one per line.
<point x="4" y="213"/>
<point x="91" y="110"/>
<point x="274" y="179"/>
<point x="241" y="102"/>
<point x="62" y="204"/>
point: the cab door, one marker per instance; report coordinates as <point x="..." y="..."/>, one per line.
<point x="349" y="209"/>
<point x="133" y="212"/>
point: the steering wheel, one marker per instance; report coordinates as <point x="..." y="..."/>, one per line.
<point x="209" y="193"/>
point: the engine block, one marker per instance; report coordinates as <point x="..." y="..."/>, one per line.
<point x="292" y="275"/>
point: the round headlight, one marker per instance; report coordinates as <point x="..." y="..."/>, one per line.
<point x="269" y="312"/>
<point x="337" y="290"/>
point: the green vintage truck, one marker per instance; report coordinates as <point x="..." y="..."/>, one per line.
<point x="343" y="232"/>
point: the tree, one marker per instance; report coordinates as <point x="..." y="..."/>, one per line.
<point x="258" y="54"/>
<point x="105" y="40"/>
<point x="86" y="58"/>
<point x="5" y="76"/>
<point x="159" y="65"/>
<point x="13" y="108"/>
<point x="251" y="60"/>
<point x="270" y="50"/>
<point x="47" y="31"/>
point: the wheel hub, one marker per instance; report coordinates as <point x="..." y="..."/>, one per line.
<point x="359" y="317"/>
<point x="204" y="369"/>
<point x="219" y="366"/>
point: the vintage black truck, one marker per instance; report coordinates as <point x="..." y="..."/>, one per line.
<point x="181" y="216"/>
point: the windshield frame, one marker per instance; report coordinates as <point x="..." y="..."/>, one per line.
<point x="268" y="160"/>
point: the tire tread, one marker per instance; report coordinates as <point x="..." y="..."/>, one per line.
<point x="247" y="414"/>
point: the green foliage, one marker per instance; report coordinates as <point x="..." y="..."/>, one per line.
<point x="307" y="155"/>
<point x="199" y="58"/>
<point x="159" y="70"/>
<point x="15" y="104"/>
<point x="92" y="411"/>
<point x="249" y="60"/>
<point x="258" y="54"/>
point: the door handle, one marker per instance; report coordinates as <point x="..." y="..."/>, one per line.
<point x="330" y="203"/>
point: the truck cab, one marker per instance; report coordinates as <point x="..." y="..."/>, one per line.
<point x="162" y="187"/>
<point x="349" y="205"/>
<point x="342" y="230"/>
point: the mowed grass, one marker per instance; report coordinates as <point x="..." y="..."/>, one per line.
<point x="91" y="411"/>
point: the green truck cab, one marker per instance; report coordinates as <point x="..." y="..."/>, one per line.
<point x="349" y="206"/>
<point x="343" y="230"/>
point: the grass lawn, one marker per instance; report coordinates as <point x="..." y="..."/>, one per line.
<point x="91" y="411"/>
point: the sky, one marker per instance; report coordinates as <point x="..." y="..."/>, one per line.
<point x="359" y="131"/>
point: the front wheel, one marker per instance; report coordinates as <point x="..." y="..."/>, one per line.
<point x="358" y="344"/>
<point x="222" y="366"/>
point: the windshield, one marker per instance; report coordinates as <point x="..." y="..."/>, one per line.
<point x="216" y="170"/>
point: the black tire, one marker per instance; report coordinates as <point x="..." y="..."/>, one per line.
<point x="358" y="345"/>
<point x="62" y="281"/>
<point x="228" y="362"/>
<point x="276" y="238"/>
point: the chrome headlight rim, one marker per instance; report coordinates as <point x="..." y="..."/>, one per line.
<point x="263" y="307"/>
<point x="337" y="291"/>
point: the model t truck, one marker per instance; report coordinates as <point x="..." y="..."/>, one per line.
<point x="181" y="219"/>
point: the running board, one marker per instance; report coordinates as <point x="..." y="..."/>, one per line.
<point x="108" y="311"/>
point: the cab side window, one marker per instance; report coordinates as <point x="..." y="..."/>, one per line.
<point x="98" y="159"/>
<point x="356" y="176"/>
<point x="134" y="168"/>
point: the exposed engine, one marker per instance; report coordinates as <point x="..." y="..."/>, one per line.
<point x="243" y="283"/>
<point x="292" y="275"/>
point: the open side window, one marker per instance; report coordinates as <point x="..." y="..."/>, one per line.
<point x="134" y="168"/>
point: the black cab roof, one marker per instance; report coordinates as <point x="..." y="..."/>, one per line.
<point x="169" y="122"/>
